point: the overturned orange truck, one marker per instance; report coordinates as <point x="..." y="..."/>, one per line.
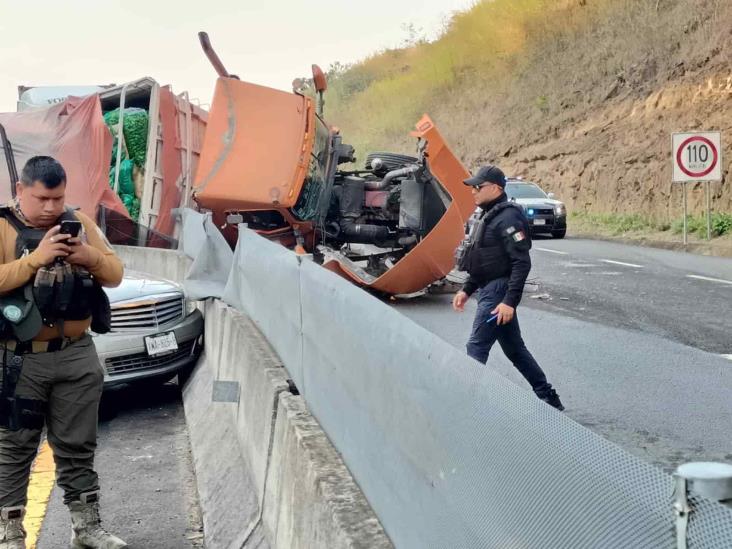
<point x="271" y="161"/>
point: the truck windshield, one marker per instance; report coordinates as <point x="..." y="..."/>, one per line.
<point x="307" y="206"/>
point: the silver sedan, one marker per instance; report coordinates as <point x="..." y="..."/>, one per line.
<point x="156" y="332"/>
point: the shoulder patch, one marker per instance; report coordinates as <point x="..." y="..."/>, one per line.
<point x="518" y="236"/>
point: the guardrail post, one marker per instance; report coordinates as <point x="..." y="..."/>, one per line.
<point x="707" y="479"/>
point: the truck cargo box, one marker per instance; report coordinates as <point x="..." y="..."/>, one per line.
<point x="173" y="143"/>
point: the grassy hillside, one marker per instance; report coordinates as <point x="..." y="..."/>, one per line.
<point x="580" y="95"/>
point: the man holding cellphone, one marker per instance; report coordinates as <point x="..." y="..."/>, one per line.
<point x="53" y="264"/>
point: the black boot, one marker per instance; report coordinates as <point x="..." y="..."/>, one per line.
<point x="551" y="397"/>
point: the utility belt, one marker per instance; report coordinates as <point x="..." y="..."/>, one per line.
<point x="33" y="347"/>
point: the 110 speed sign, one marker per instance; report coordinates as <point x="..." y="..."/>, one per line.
<point x="697" y="156"/>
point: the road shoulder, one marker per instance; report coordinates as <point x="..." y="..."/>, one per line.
<point x="149" y="495"/>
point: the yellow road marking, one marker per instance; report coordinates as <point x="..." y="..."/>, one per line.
<point x="43" y="476"/>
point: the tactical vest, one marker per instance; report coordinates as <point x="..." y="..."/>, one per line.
<point x="75" y="296"/>
<point x="465" y="254"/>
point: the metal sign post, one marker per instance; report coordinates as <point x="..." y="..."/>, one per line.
<point x="686" y="216"/>
<point x="697" y="157"/>
<point x="709" y="209"/>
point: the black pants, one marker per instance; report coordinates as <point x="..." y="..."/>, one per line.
<point x="485" y="334"/>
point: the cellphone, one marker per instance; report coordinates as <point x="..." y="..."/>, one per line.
<point x="71" y="228"/>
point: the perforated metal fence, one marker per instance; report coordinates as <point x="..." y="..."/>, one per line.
<point x="449" y="454"/>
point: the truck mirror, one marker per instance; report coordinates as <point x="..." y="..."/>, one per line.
<point x="319" y="79"/>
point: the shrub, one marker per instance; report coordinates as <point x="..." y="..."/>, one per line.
<point x="620" y="223"/>
<point x="721" y="224"/>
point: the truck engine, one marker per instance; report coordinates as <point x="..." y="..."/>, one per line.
<point x="378" y="214"/>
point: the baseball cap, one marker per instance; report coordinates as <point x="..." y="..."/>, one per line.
<point x="487" y="174"/>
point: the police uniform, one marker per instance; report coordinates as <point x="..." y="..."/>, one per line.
<point x="498" y="263"/>
<point x="51" y="372"/>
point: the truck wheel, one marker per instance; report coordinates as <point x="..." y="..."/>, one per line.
<point x="559" y="233"/>
<point x="392" y="161"/>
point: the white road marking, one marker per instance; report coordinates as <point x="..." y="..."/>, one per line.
<point x="709" y="279"/>
<point x="621" y="263"/>
<point x="551" y="251"/>
<point x="728" y="357"/>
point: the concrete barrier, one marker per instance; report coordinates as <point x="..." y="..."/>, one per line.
<point x="267" y="475"/>
<point x="225" y="487"/>
<point x="168" y="264"/>
<point x="311" y="499"/>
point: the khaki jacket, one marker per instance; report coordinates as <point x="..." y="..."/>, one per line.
<point x="14" y="273"/>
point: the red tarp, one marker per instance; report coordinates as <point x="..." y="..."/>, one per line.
<point x="74" y="133"/>
<point x="172" y="165"/>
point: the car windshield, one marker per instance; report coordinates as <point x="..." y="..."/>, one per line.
<point x="524" y="190"/>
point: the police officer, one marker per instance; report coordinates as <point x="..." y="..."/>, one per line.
<point x="497" y="260"/>
<point x="50" y="294"/>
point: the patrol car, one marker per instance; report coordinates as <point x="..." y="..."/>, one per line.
<point x="546" y="214"/>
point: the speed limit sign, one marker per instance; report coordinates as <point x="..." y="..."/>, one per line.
<point x="697" y="156"/>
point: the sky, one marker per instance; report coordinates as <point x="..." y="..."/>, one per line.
<point x="268" y="42"/>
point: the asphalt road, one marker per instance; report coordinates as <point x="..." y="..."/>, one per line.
<point x="149" y="497"/>
<point x="633" y="338"/>
<point x="681" y="297"/>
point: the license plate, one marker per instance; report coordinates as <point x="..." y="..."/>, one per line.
<point x="539" y="221"/>
<point x="161" y="344"/>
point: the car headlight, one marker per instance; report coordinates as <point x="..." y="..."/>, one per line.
<point x="559" y="209"/>
<point x="191" y="306"/>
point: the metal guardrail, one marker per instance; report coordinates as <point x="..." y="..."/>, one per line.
<point x="450" y="454"/>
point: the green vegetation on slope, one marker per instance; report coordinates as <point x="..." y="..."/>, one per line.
<point x="507" y="70"/>
<point x="622" y="224"/>
<point x="721" y="225"/>
<point x="618" y="224"/>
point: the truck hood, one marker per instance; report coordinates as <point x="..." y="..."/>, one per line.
<point x="256" y="149"/>
<point x="139" y="285"/>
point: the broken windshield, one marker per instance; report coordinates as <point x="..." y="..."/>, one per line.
<point x="307" y="206"/>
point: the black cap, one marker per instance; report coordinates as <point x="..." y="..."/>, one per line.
<point x="487" y="174"/>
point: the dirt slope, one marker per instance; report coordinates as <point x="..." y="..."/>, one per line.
<point x="586" y="106"/>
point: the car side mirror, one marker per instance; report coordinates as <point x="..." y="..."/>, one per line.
<point x="551" y="195"/>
